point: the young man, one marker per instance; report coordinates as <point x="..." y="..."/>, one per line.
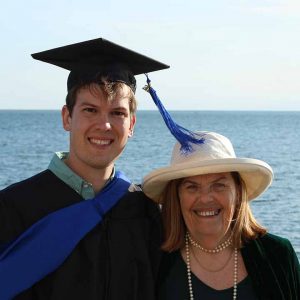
<point x="117" y="257"/>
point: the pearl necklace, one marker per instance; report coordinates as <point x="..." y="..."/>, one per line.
<point x="219" y="248"/>
<point x="188" y="267"/>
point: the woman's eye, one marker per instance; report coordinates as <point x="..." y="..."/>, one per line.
<point x="218" y="186"/>
<point x="191" y="188"/>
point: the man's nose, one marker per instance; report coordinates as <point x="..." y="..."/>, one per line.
<point x="103" y="122"/>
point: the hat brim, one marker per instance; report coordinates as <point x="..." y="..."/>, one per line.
<point x="256" y="174"/>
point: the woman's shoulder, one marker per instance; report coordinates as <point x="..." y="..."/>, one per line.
<point x="272" y="241"/>
<point x="269" y="245"/>
<point x="273" y="267"/>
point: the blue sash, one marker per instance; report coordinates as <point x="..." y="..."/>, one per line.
<point x="43" y="247"/>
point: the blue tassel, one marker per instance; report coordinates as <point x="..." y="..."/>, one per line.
<point x="184" y="136"/>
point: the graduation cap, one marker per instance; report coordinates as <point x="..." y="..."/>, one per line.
<point x="92" y="59"/>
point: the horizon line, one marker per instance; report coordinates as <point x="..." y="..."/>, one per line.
<point x="170" y="110"/>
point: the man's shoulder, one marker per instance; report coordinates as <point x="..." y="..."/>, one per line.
<point x="27" y="201"/>
<point x="136" y="203"/>
<point x="28" y="183"/>
<point x="135" y="193"/>
<point x="41" y="190"/>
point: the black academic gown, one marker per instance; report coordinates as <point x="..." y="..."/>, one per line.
<point x="117" y="260"/>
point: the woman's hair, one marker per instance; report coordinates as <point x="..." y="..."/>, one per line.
<point x="109" y="89"/>
<point x="244" y="227"/>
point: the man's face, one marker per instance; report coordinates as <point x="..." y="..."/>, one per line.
<point x="99" y="129"/>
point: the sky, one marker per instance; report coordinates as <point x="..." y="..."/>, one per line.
<point x="223" y="54"/>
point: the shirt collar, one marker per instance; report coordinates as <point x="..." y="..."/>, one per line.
<point x="69" y="177"/>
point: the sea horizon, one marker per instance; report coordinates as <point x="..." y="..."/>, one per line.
<point x="28" y="139"/>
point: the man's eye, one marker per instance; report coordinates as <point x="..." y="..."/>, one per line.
<point x="90" y="109"/>
<point x="119" y="113"/>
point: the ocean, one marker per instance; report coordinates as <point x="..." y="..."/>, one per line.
<point x="29" y="138"/>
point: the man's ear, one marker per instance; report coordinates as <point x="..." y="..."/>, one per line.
<point x="132" y="123"/>
<point x="66" y="118"/>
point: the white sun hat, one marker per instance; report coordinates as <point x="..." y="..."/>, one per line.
<point x="215" y="155"/>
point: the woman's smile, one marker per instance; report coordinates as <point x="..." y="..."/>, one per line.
<point x="207" y="213"/>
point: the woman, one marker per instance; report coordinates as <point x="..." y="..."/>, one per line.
<point x="215" y="249"/>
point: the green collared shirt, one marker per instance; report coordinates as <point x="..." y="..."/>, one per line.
<point x="64" y="173"/>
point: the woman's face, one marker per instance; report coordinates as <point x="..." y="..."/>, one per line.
<point x="207" y="204"/>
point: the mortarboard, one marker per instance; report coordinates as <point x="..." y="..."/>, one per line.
<point x="99" y="57"/>
<point x="89" y="60"/>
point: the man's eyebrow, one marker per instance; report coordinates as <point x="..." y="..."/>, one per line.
<point x="85" y="103"/>
<point x="120" y="107"/>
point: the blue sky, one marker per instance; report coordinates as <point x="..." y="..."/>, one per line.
<point x="224" y="55"/>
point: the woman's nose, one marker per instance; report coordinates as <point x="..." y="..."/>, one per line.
<point x="204" y="195"/>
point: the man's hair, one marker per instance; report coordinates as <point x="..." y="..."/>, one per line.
<point x="244" y="227"/>
<point x="109" y="89"/>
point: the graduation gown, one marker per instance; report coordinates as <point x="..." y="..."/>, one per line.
<point x="118" y="259"/>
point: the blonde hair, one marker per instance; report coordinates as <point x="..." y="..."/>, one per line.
<point x="244" y="226"/>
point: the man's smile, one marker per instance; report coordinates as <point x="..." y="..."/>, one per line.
<point x="101" y="142"/>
